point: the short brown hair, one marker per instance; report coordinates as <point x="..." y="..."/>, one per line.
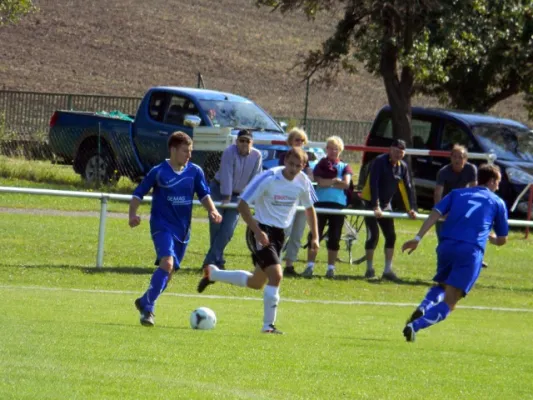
<point x="178" y="138"/>
<point x="298" y="153"/>
<point x="461" y="149"/>
<point x="486" y="172"/>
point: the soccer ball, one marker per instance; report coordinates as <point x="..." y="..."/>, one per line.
<point x="203" y="318"/>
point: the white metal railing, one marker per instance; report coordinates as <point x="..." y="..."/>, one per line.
<point x="105" y="197"/>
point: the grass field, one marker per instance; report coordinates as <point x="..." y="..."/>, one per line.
<point x="70" y="331"/>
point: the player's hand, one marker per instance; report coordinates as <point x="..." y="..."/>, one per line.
<point x="412" y="214"/>
<point x="314" y="244"/>
<point x="134" y="221"/>
<point x="377" y="212"/>
<point x="262" y="238"/>
<point x="410" y="245"/>
<point x="215" y="217"/>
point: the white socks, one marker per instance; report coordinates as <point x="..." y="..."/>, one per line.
<point x="331" y="267"/>
<point x="238" y="278"/>
<point x="270" y="302"/>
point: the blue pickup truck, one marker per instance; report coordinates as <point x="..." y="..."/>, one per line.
<point x="102" y="147"/>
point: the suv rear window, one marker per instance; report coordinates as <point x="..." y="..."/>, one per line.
<point x="421" y="131"/>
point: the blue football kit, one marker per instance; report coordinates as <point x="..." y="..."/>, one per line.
<point x="471" y="214"/>
<point x="170" y="217"/>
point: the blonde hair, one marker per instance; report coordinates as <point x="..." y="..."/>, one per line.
<point x="337" y="141"/>
<point x="296" y="133"/>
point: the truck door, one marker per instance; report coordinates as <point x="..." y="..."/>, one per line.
<point x="166" y="113"/>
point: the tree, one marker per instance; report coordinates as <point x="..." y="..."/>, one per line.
<point x="11" y="11"/>
<point x="485" y="54"/>
<point x="380" y="34"/>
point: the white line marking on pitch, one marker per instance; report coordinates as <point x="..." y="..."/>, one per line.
<point x="203" y="296"/>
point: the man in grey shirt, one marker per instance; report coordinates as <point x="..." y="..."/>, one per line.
<point x="239" y="164"/>
<point x="456" y="175"/>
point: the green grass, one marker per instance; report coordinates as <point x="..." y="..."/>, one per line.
<point x="70" y="331"/>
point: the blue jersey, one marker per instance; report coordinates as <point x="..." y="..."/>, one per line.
<point x="471" y="214"/>
<point x="172" y="197"/>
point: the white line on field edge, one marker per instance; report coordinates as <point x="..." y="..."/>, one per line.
<point x="340" y="302"/>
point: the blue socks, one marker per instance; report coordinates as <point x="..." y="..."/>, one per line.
<point x="434" y="315"/>
<point x="157" y="285"/>
<point x="434" y="296"/>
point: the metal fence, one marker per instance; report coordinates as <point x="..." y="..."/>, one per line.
<point x="24" y="119"/>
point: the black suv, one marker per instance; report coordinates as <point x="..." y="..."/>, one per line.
<point x="439" y="129"/>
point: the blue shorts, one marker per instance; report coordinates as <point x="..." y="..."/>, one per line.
<point x="458" y="264"/>
<point x="166" y="245"/>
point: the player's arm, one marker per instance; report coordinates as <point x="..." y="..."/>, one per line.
<point x="138" y="194"/>
<point x="497" y="240"/>
<point x="246" y="213"/>
<point x="412" y="244"/>
<point x="208" y="204"/>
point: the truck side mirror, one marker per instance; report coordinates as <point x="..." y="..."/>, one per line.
<point x="192" y="121"/>
<point x="283" y="125"/>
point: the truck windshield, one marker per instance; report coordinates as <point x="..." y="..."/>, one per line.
<point x="238" y="114"/>
<point x="507" y="142"/>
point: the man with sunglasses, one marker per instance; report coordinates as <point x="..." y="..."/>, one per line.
<point x="239" y="164"/>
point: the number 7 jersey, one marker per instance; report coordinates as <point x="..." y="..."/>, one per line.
<point x="471" y="213"/>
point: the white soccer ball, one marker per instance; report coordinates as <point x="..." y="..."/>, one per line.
<point x="203" y="318"/>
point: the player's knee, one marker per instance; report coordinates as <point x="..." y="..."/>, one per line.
<point x="167" y="264"/>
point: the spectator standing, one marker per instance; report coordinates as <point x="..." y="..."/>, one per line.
<point x="388" y="173"/>
<point x="333" y="178"/>
<point x="297" y="138"/>
<point x="239" y="164"/>
<point x="456" y="175"/>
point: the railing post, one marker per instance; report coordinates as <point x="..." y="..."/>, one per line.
<point x="529" y="204"/>
<point x="101" y="233"/>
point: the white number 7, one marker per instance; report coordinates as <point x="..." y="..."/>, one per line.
<point x="475" y="205"/>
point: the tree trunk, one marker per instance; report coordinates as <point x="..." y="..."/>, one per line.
<point x="398" y="93"/>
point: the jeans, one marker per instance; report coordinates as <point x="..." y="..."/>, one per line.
<point x="220" y="234"/>
<point x="295" y="233"/>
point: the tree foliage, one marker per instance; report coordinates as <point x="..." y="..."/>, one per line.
<point x="470" y="54"/>
<point x="11" y="11"/>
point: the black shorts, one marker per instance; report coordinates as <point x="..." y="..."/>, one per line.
<point x="270" y="255"/>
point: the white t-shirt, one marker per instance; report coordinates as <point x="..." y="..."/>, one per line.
<point x="276" y="198"/>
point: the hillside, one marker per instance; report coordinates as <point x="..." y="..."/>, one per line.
<point x="123" y="47"/>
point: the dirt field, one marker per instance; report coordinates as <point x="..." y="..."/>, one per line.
<point x="123" y="47"/>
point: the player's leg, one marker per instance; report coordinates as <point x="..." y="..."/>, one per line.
<point x="433" y="297"/>
<point x="372" y="237"/>
<point x="458" y="269"/>
<point x="271" y="298"/>
<point x="165" y="251"/>
<point x="213" y="274"/>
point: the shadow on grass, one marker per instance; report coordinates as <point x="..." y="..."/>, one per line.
<point x="125" y="270"/>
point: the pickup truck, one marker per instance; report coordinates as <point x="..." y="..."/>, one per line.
<point x="104" y="146"/>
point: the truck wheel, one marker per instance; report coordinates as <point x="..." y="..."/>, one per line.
<point x="99" y="168"/>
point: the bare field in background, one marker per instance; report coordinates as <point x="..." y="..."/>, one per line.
<point x="126" y="46"/>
